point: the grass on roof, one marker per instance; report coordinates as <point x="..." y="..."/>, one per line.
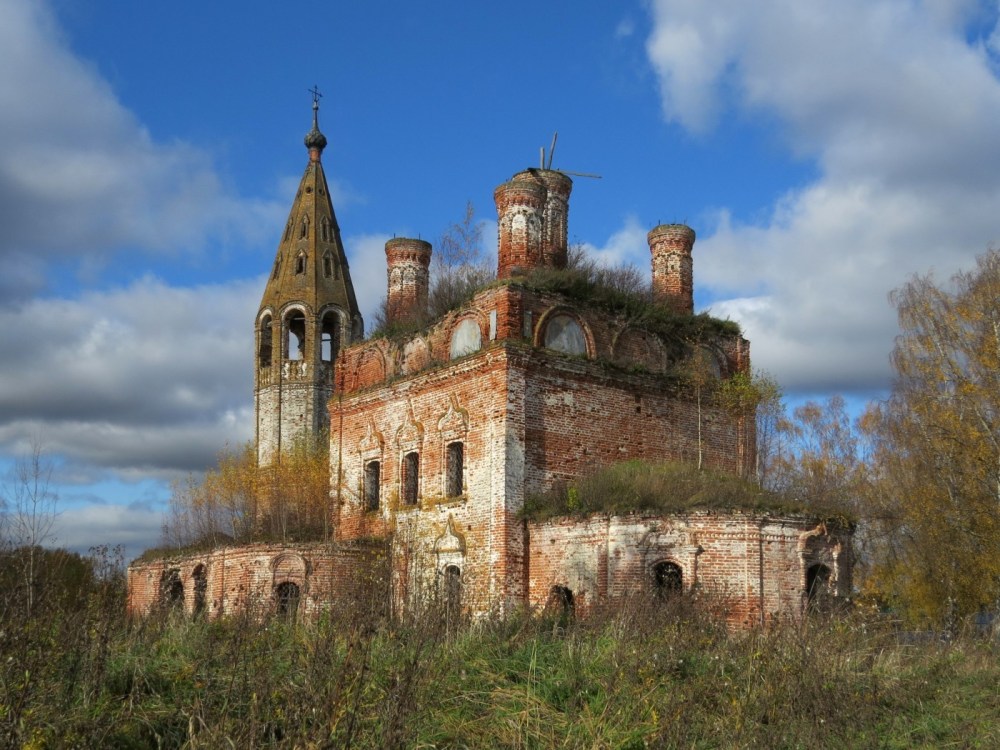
<point x="637" y="486"/>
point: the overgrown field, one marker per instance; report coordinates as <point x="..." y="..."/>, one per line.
<point x="77" y="674"/>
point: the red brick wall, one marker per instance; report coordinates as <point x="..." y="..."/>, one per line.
<point x="246" y="576"/>
<point x="746" y="565"/>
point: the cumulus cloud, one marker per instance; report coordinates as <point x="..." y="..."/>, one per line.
<point x="81" y="177"/>
<point x="134" y="527"/>
<point x="898" y="109"/>
<point x="146" y="378"/>
<point x="626" y="245"/>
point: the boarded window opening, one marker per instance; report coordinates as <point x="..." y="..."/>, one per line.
<point x="455" y="467"/>
<point x="668" y="580"/>
<point x="373" y="476"/>
<point x="330" y="337"/>
<point x="328" y="264"/>
<point x="411" y="473"/>
<point x="286" y="599"/>
<point x="264" y="351"/>
<point x="296" y="325"/>
<point x="200" y="589"/>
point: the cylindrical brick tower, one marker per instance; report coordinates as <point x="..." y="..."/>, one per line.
<point x="408" y="264"/>
<point x="556" y="219"/>
<point x="520" y="218"/>
<point x="673" y="280"/>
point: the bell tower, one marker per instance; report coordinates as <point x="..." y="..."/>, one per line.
<point x="307" y="314"/>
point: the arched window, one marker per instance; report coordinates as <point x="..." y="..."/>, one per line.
<point x="286" y="599"/>
<point x="300" y="263"/>
<point x="264" y="347"/>
<point x="373" y="478"/>
<point x="277" y="266"/>
<point x="561" y="604"/>
<point x="466" y="338"/>
<point x="288" y="229"/>
<point x="452" y="598"/>
<point x="454" y="469"/>
<point x="668" y="580"/>
<point x="564" y="334"/>
<point x="295" y="344"/>
<point x="325" y="229"/>
<point x="330" y="336"/>
<point x="304" y="228"/>
<point x="410" y="478"/>
<point x="328" y="264"/>
<point x="171" y="589"/>
<point x="200" y="589"/>
<point x="817" y="587"/>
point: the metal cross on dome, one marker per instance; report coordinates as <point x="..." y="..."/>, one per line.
<point x="316" y="95"/>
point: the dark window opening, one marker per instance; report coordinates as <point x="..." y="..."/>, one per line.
<point x="561" y="601"/>
<point x="330" y="337"/>
<point x="817" y="586"/>
<point x="264" y="352"/>
<point x="304" y="229"/>
<point x="200" y="589"/>
<point x="411" y="473"/>
<point x="452" y="592"/>
<point x="668" y="580"/>
<point x="286" y="599"/>
<point x="300" y="263"/>
<point x="296" y="343"/>
<point x="455" y="465"/>
<point x="171" y="589"/>
<point x="373" y="475"/>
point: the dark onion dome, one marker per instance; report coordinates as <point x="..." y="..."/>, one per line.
<point x="315" y="139"/>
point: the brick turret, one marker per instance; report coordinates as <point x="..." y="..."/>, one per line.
<point x="520" y="216"/>
<point x="408" y="272"/>
<point x="532" y="213"/>
<point x="556" y="218"/>
<point x="673" y="284"/>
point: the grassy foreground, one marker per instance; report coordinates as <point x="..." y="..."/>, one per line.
<point x="82" y="676"/>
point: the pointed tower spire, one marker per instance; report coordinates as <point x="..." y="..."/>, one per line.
<point x="307" y="314"/>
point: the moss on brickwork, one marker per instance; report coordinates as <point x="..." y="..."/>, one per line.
<point x="634" y="486"/>
<point x="635" y="307"/>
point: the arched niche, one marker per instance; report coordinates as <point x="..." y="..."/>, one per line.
<point x="563" y="332"/>
<point x="466" y="338"/>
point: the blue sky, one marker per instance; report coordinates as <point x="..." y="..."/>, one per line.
<point x="149" y="153"/>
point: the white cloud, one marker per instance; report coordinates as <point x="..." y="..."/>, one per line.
<point x="135" y="527"/>
<point x="899" y="111"/>
<point x="144" y="380"/>
<point x="81" y="177"/>
<point x="627" y="245"/>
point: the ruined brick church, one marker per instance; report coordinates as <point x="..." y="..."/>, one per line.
<point x="436" y="438"/>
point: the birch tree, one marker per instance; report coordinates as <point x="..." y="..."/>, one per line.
<point x="936" y="455"/>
